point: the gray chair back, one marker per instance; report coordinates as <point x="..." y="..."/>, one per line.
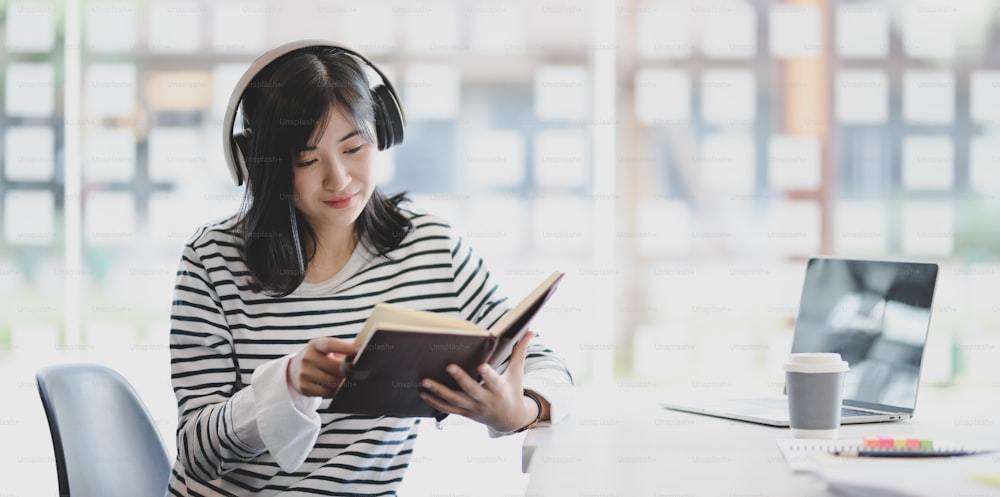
<point x="105" y="442"/>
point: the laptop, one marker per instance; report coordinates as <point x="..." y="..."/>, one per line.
<point x="876" y="315"/>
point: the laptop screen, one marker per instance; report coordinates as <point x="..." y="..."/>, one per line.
<point x="876" y="315"/>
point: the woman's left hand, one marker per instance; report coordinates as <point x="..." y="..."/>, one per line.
<point x="498" y="402"/>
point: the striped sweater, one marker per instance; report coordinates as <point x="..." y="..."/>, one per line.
<point x="233" y="423"/>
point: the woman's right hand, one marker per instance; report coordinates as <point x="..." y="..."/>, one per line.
<point x="315" y="370"/>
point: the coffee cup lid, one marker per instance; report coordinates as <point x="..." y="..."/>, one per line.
<point x="821" y="362"/>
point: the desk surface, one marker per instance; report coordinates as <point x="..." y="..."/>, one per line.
<point x="619" y="442"/>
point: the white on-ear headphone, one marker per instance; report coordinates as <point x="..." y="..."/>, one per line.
<point x="389" y="117"/>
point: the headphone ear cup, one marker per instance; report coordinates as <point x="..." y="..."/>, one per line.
<point x="241" y="143"/>
<point x="388" y="118"/>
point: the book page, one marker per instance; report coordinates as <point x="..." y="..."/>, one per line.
<point x="401" y="318"/>
<point x="512" y="326"/>
<point x="525" y="305"/>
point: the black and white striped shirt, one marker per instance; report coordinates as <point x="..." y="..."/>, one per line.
<point x="242" y="431"/>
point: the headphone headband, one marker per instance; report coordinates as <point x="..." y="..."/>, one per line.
<point x="390" y="132"/>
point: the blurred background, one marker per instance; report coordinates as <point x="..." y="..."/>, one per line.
<point x="679" y="159"/>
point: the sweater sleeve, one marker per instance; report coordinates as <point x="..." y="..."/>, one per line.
<point x="205" y="378"/>
<point x="480" y="301"/>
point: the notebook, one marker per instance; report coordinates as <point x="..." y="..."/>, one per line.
<point x="876" y="315"/>
<point x="800" y="454"/>
<point x="955" y="476"/>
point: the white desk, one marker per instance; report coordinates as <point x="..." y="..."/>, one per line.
<point x="620" y="443"/>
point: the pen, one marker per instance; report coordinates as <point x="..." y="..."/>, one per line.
<point x="905" y="453"/>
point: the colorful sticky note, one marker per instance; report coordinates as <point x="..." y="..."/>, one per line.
<point x="871" y="442"/>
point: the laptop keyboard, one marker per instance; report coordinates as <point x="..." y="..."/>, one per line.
<point x="847" y="411"/>
<point x="783" y="404"/>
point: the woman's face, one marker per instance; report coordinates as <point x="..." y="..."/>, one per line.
<point x="333" y="176"/>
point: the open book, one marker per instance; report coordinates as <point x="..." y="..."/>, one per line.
<point x="399" y="347"/>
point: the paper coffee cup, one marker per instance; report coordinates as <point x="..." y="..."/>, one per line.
<point x="815" y="384"/>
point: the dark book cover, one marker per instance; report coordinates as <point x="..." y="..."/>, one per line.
<point x="384" y="378"/>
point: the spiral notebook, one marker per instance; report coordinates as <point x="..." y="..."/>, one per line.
<point x="799" y="453"/>
<point x="909" y="477"/>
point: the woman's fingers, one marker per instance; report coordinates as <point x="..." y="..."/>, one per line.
<point x="491" y="379"/>
<point x="317" y="369"/>
<point x="326" y="345"/>
<point x="519" y="355"/>
<point x="471" y="387"/>
<point x="319" y="384"/>
<point x="441" y="405"/>
<point x="327" y="354"/>
<point x="459" y="402"/>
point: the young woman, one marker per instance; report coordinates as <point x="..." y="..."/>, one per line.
<point x="267" y="303"/>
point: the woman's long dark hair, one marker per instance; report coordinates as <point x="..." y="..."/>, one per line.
<point x="284" y="106"/>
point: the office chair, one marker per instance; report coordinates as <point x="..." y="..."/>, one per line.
<point x="105" y="442"/>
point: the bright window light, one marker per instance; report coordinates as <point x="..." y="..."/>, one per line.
<point x="984" y="164"/>
<point x="928" y="163"/>
<point x="495" y="159"/>
<point x="431" y="92"/>
<point x="110" y="336"/>
<point x="178" y="90"/>
<point x="983" y="281"/>
<point x="110" y="26"/>
<point x="929" y="97"/>
<point x="862" y="30"/>
<point x="663" y="227"/>
<point x="110" y="89"/>
<point x="29" y="153"/>
<point x="30" y="26"/>
<point x="664" y="30"/>
<point x="239" y="27"/>
<point x="860" y="227"/>
<point x="792" y="227"/>
<point x="727" y="29"/>
<point x="794" y="162"/>
<point x="561" y="93"/>
<point x="109" y="218"/>
<point x="561" y="159"/>
<point x="496" y="224"/>
<point x="862" y="97"/>
<point x="658" y="353"/>
<point x="929" y="30"/>
<point x="109" y="155"/>
<point x="928" y="229"/>
<point x="985" y="90"/>
<point x="496" y="27"/>
<point x="175" y="26"/>
<point x="34" y="338"/>
<point x="30" y="89"/>
<point x="385" y="166"/>
<point x="224" y="78"/>
<point x="662" y="96"/>
<point x="371" y="27"/>
<point x="795" y="31"/>
<point x="729" y="96"/>
<point x="727" y="163"/>
<point x="430" y="27"/>
<point x="176" y="154"/>
<point x="561" y="223"/>
<point x="173" y="218"/>
<point x="29" y="217"/>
